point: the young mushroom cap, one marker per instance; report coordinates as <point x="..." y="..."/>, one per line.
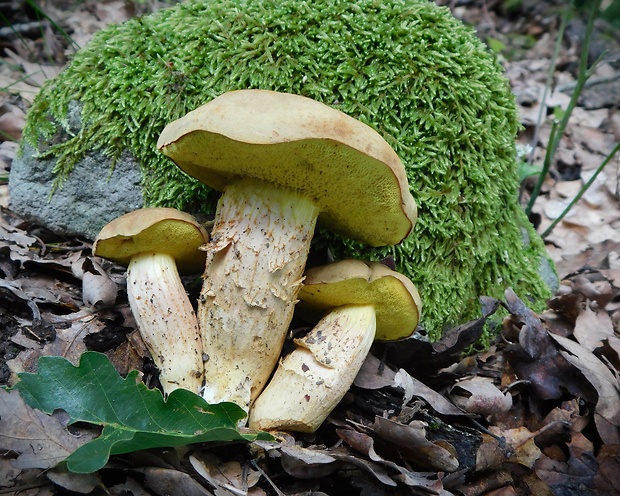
<point x="161" y="230"/>
<point x="283" y="163"/>
<point x="364" y="301"/>
<point x="156" y="244"/>
<point x="355" y="282"/>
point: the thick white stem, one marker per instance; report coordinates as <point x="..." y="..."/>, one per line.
<point x="166" y="320"/>
<point x="312" y="379"/>
<point x="254" y="269"/>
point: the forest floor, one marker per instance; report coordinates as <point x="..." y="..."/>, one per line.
<point x="537" y="413"/>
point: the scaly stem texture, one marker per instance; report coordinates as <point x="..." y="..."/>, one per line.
<point x="311" y="380"/>
<point x="166" y="320"/>
<point x="255" y="263"/>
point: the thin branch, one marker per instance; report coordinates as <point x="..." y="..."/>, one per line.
<point x="582" y="190"/>
<point x="550" y="75"/>
<point x="583" y="75"/>
<point x="591" y="82"/>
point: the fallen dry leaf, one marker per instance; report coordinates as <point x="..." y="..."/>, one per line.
<point x="11" y="83"/>
<point x="225" y="477"/>
<point x="375" y="375"/>
<point x="35" y="74"/>
<point x="23" y="482"/>
<point x="365" y="444"/>
<point x="607" y="478"/>
<point x="40" y="440"/>
<point x="480" y="395"/>
<point x="409" y="442"/>
<point x="605" y="383"/>
<point x="308" y="463"/>
<point x="69" y="333"/>
<point x="489" y="484"/>
<point x="520" y="445"/>
<point x="490" y="455"/>
<point x="536" y="359"/>
<point x="434" y="356"/>
<point x="164" y="481"/>
<point x="12" y="121"/>
<point x="98" y="290"/>
<point x="576" y="470"/>
<point x="76" y="483"/>
<point x="593" y="328"/>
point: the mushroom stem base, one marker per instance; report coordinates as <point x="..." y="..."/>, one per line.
<point x="311" y="380"/>
<point x="254" y="269"/>
<point x="166" y="320"/>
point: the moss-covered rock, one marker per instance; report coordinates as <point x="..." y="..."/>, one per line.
<point x="405" y="67"/>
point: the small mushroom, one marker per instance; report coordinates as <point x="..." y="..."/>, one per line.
<point x="365" y="301"/>
<point x="281" y="161"/>
<point x="156" y="244"/>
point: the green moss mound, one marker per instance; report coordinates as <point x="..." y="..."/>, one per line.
<point x="405" y="67"/>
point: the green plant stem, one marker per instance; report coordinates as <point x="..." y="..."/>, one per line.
<point x="40" y="12"/>
<point x="582" y="191"/>
<point x="543" y="104"/>
<point x="583" y="75"/>
<point x="544" y="171"/>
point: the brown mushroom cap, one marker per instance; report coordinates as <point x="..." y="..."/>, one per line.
<point x="299" y="144"/>
<point x="355" y="282"/>
<point x="156" y="230"/>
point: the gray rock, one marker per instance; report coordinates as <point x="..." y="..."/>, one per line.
<point x="93" y="195"/>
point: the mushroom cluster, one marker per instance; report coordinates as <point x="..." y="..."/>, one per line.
<point x="284" y="163"/>
<point x="362" y="301"/>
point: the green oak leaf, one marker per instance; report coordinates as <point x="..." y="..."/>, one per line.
<point x="133" y="417"/>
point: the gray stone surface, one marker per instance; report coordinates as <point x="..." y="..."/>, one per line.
<point x="93" y="195"/>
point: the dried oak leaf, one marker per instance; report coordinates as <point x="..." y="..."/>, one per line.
<point x="307" y="463"/>
<point x="17" y="241"/>
<point x="592" y="287"/>
<point x="40" y="440"/>
<point x="314" y="462"/>
<point x="576" y="471"/>
<point x="594" y="328"/>
<point x="607" y="478"/>
<point x="70" y="331"/>
<point x="365" y="444"/>
<point x="536" y="359"/>
<point x="164" y="481"/>
<point x="521" y="446"/>
<point x="22" y="482"/>
<point x="98" y="289"/>
<point x="409" y="442"/>
<point x="605" y="383"/>
<point x="36" y="73"/>
<point x="75" y="483"/>
<point x="490" y="454"/>
<point x="480" y="395"/>
<point x="557" y="427"/>
<point x="375" y="375"/>
<point x="12" y="121"/>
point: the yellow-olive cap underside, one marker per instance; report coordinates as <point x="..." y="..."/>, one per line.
<point x="354" y="282"/>
<point x="348" y="170"/>
<point x="154" y="230"/>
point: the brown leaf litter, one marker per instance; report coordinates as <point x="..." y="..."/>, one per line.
<point x="537" y="413"/>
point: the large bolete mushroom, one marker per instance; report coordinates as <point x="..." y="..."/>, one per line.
<point x="282" y="161"/>
<point x="156" y="244"/>
<point x="365" y="301"/>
